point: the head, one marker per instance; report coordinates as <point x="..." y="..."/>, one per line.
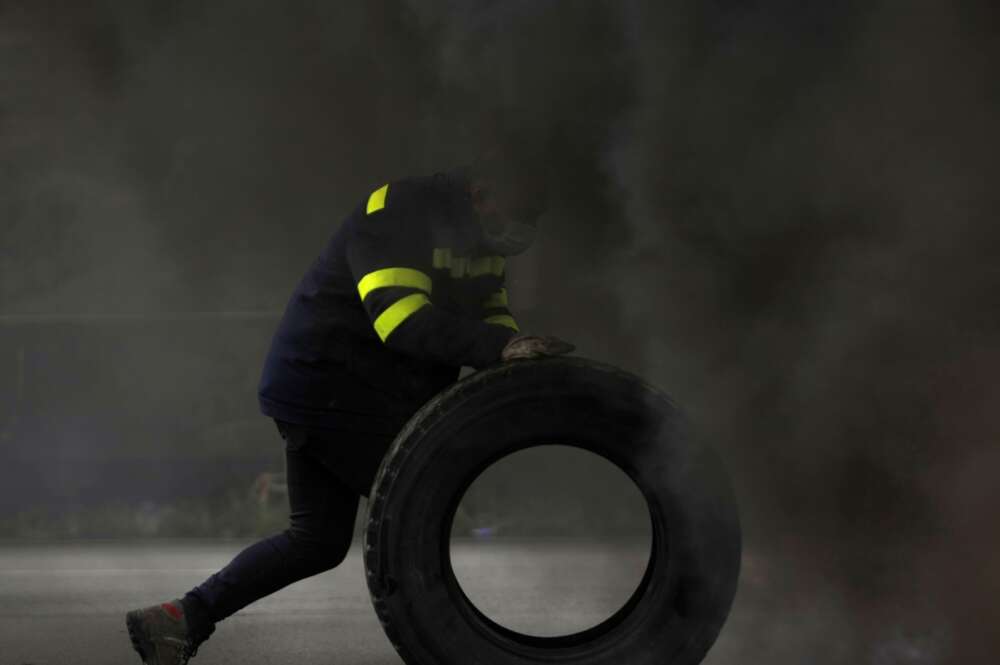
<point x="508" y="207"/>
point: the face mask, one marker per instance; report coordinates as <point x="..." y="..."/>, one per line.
<point x="512" y="238"/>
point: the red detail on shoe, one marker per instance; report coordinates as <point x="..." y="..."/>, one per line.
<point x="172" y="610"/>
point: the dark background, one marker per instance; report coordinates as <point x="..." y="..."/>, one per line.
<point x="783" y="213"/>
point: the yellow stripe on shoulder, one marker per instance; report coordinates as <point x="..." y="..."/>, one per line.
<point x="377" y="200"/>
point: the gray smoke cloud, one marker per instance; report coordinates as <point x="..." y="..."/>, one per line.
<point x="807" y="189"/>
<point x="782" y="213"/>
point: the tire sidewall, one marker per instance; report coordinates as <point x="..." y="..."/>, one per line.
<point x="688" y="590"/>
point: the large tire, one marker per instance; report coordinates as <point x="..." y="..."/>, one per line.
<point x="683" y="600"/>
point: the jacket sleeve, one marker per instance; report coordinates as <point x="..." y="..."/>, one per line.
<point x="392" y="269"/>
<point x="496" y="309"/>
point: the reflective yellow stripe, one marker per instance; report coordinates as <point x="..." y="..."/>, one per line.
<point x="393" y="277"/>
<point x="442" y="258"/>
<point x="498" y="299"/>
<point x="377" y="200"/>
<point x="459" y="266"/>
<point x="503" y="320"/>
<point x="463" y="266"/>
<point x="398" y="312"/>
<point x="486" y="265"/>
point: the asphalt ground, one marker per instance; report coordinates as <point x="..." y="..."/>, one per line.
<point x="63" y="603"/>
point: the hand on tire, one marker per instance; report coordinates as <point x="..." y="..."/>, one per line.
<point x="534" y="346"/>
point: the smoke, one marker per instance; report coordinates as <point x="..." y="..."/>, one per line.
<point x="66" y="198"/>
<point x="807" y="193"/>
<point x="780" y="212"/>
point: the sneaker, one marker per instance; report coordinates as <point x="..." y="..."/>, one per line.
<point x="161" y="634"/>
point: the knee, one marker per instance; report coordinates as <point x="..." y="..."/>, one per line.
<point x="330" y="554"/>
<point x="320" y="553"/>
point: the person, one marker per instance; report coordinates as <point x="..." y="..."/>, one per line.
<point x="409" y="289"/>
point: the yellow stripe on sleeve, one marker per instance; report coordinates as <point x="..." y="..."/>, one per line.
<point x="398" y="312"/>
<point x="442" y="257"/>
<point x="459" y="266"/>
<point x="394" y="277"/>
<point x="464" y="266"/>
<point x="377" y="200"/>
<point x="498" y="299"/>
<point x="503" y="320"/>
<point x="486" y="265"/>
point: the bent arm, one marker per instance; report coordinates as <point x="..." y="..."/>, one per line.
<point x="392" y="272"/>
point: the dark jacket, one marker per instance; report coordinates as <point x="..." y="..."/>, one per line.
<point x="401" y="298"/>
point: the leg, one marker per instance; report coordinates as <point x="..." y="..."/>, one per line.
<point x="323" y="511"/>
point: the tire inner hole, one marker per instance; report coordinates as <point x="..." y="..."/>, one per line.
<point x="550" y="540"/>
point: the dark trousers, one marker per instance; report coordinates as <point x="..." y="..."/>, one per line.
<point x="323" y="496"/>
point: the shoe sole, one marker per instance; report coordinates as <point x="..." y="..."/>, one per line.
<point x="133" y="620"/>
